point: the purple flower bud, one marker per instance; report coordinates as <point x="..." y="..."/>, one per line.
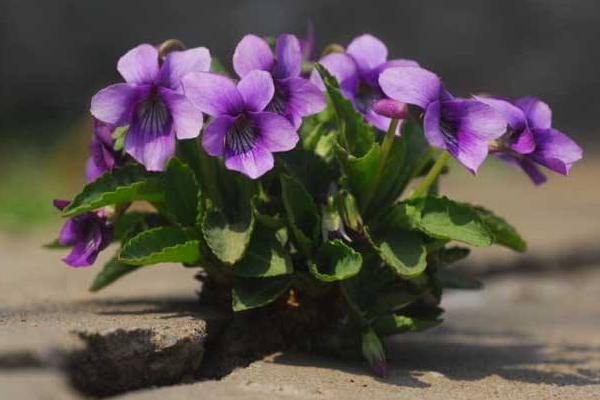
<point x="391" y="109"/>
<point x="103" y="156"/>
<point x="152" y="102"/>
<point x="242" y="131"/>
<point x="89" y="233"/>
<point x="372" y="350"/>
<point x="357" y="72"/>
<point x="294" y="97"/>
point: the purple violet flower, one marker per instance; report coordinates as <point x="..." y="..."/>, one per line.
<point x="357" y="72"/>
<point x="89" y="233"/>
<point x="152" y="103"/>
<point x="531" y="139"/>
<point x="242" y="131"/>
<point x="461" y="127"/>
<point x="295" y="97"/>
<point x="103" y="156"/>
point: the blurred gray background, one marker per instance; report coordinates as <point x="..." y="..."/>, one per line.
<point x="56" y="54"/>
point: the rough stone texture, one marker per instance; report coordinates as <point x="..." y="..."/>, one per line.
<point x="535" y="337"/>
<point x="107" y="343"/>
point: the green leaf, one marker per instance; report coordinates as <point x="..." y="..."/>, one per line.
<point x="302" y="213"/>
<point x="358" y="135"/>
<point x="251" y="293"/>
<point x="348" y="209"/>
<point x="392" y="183"/>
<point x="265" y="256"/>
<point x="403" y="251"/>
<point x="122" y="185"/>
<point x="163" y="244"/>
<point x="443" y="218"/>
<point x="404" y="214"/>
<point x="393" y="324"/>
<point x="112" y="270"/>
<point x="128" y="223"/>
<point x="359" y="171"/>
<point x="336" y="262"/>
<point x="504" y="233"/>
<point x="181" y="192"/>
<point x="417" y="153"/>
<point x="309" y="169"/>
<point x="228" y="240"/>
<point x="456" y="280"/>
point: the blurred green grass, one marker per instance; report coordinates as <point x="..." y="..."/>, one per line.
<point x="32" y="174"/>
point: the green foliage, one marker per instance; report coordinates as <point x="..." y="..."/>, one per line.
<point x="249" y="293"/>
<point x="336" y="262"/>
<point x="160" y="245"/>
<point x="442" y="218"/>
<point x="326" y="226"/>
<point x="112" y="271"/>
<point x="357" y="135"/>
<point x="265" y="257"/>
<point x="393" y="324"/>
<point x="123" y="185"/>
<point x="403" y="251"/>
<point x="504" y="233"/>
<point x="359" y="171"/>
<point x="181" y="192"/>
<point x="301" y="211"/>
<point x="228" y="240"/>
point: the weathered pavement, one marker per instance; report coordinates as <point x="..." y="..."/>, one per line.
<point x="148" y="331"/>
<point x="524" y="336"/>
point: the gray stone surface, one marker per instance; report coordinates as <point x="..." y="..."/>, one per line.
<point x="106" y="343"/>
<point x="531" y="337"/>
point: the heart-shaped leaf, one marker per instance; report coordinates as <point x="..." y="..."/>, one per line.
<point x="265" y="256"/>
<point x="228" y="240"/>
<point x="443" y="218"/>
<point x="112" y="271"/>
<point x="336" y="262"/>
<point x="251" y="293"/>
<point x="504" y="233"/>
<point x="122" y="185"/>
<point x="403" y="251"/>
<point x="301" y="211"/>
<point x="163" y="244"/>
<point x="181" y="192"/>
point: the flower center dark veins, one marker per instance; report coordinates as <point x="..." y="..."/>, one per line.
<point x="366" y="96"/>
<point x="153" y="115"/>
<point x="280" y="99"/>
<point x="449" y="129"/>
<point x="241" y="136"/>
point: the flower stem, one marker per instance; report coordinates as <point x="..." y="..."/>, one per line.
<point x="386" y="146"/>
<point x="432" y="175"/>
<point x="422" y="163"/>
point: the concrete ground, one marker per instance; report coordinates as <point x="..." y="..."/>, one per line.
<point x="525" y="336"/>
